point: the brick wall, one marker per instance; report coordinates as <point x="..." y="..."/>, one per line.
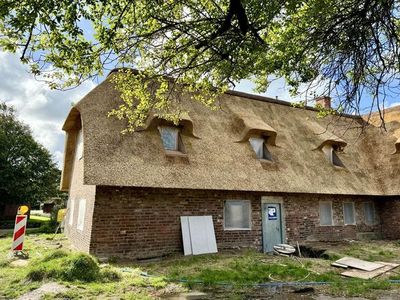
<point x="390" y="213"/>
<point x="80" y="239"/>
<point x="142" y="223"/>
<point x="303" y="224"/>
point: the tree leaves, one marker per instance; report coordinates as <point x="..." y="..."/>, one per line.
<point x="347" y="49"/>
<point x="27" y="173"/>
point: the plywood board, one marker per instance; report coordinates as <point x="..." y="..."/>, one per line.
<point x="359" y="264"/>
<point x="370" y="274"/>
<point x="198" y="235"/>
<point x="187" y="244"/>
<point x="202" y="235"/>
<point x="335" y="264"/>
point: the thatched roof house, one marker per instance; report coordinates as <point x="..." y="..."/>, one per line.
<point x="254" y="149"/>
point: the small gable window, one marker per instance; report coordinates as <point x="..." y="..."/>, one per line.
<point x="171" y="139"/>
<point x="260" y="148"/>
<point x="332" y="156"/>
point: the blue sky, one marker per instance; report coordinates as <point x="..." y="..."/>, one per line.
<point x="44" y="110"/>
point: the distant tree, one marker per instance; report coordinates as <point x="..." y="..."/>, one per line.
<point x="348" y="49"/>
<point x="27" y="172"/>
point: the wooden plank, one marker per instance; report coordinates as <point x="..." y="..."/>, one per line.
<point x="359" y="264"/>
<point x="370" y="274"/>
<point x="187" y="244"/>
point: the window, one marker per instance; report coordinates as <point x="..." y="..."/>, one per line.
<point x="349" y="214"/>
<point x="81" y="214"/>
<point x="369" y="213"/>
<point x="237" y="215"/>
<point x="71" y="212"/>
<point x="325" y="213"/>
<point x="79" y="145"/>
<point x="259" y="147"/>
<point x="331" y="154"/>
<point x="171" y="138"/>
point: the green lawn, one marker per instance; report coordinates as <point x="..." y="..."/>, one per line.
<point x="52" y="261"/>
<point x="83" y="275"/>
<point x="39" y="218"/>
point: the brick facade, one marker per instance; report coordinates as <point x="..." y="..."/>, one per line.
<point x="144" y="222"/>
<point x="389" y="209"/>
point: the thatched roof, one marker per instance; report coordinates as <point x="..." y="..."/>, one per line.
<point x="216" y="160"/>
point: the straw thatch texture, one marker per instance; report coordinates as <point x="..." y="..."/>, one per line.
<point x="216" y="161"/>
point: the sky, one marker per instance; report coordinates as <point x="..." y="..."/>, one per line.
<point x="45" y="110"/>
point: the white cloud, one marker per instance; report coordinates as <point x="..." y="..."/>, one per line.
<point x="43" y="109"/>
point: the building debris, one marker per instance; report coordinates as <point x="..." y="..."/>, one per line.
<point x="359" y="264"/>
<point x="363" y="269"/>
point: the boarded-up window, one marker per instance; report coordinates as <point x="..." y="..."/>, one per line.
<point x="369" y="213"/>
<point x="325" y="213"/>
<point x="81" y="214"/>
<point x="170" y="138"/>
<point x="79" y="145"/>
<point x="259" y="147"/>
<point x="349" y="213"/>
<point x="237" y="215"/>
<point x="71" y="212"/>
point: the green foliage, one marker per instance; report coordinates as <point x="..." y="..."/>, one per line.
<point x="27" y="172"/>
<point x="201" y="47"/>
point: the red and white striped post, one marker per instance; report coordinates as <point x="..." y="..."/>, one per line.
<point x="19" y="233"/>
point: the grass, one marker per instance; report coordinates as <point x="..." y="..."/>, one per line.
<point x="87" y="279"/>
<point x="81" y="273"/>
<point x="39" y="219"/>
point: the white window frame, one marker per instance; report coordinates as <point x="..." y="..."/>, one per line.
<point x="80" y="223"/>
<point x="237" y="228"/>
<point x="319" y="213"/>
<point x="374" y="213"/>
<point x="179" y="144"/>
<point x="71" y="212"/>
<point x="354" y="213"/>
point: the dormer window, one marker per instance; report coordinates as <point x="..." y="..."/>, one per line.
<point x="332" y="156"/>
<point x="260" y="148"/>
<point x="171" y="139"/>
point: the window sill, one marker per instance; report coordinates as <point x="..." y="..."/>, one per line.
<point x="175" y="153"/>
<point x="237" y="229"/>
<point x="354" y="224"/>
<point x="265" y="161"/>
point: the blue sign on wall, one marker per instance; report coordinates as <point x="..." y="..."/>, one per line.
<point x="272" y="213"/>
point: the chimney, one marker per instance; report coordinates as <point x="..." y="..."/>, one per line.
<point x="324" y="101"/>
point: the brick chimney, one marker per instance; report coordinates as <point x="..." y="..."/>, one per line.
<point x="324" y="101"/>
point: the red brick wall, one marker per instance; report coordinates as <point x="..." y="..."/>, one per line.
<point x="303" y="224"/>
<point x="390" y="213"/>
<point x="146" y="222"/>
<point x="142" y="223"/>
